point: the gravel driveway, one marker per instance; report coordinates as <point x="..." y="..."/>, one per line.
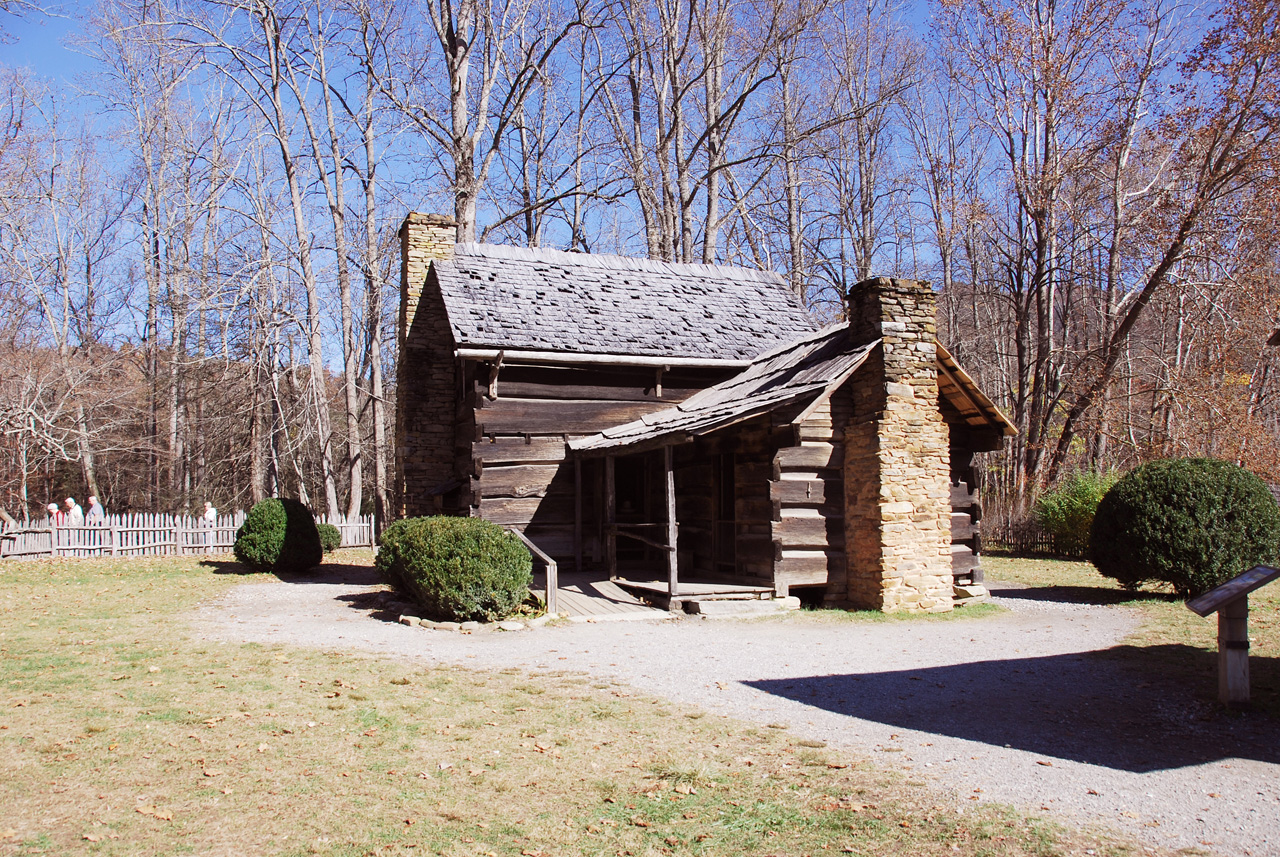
<point x="1022" y="708"/>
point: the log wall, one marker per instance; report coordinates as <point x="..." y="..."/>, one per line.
<point x="513" y="458"/>
<point x="807" y="496"/>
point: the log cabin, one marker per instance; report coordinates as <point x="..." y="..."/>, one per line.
<point x="644" y="419"/>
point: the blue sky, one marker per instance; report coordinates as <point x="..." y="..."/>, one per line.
<point x="39" y="43"/>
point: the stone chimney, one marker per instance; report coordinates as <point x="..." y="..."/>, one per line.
<point x="423" y="238"/>
<point x="426" y="375"/>
<point x="897" y="458"/>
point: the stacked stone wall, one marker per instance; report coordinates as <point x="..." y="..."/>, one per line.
<point x="426" y="376"/>
<point x="897" y="458"/>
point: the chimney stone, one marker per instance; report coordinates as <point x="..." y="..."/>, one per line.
<point x="897" y="456"/>
<point x="426" y="377"/>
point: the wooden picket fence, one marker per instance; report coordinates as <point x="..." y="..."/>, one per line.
<point x="149" y="534"/>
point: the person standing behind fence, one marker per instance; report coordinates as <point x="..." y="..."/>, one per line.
<point x="96" y="516"/>
<point x="75" y="515"/>
<point x="209" y="520"/>
<point x="56" y="518"/>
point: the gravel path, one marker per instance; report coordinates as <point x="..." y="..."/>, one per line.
<point x="1022" y="708"/>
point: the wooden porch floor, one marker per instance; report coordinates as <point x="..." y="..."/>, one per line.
<point x="692" y="590"/>
<point x="589" y="597"/>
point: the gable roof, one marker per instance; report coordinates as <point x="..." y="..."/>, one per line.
<point x="796" y="373"/>
<point x="550" y="300"/>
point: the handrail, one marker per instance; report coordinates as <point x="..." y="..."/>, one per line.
<point x="553" y="573"/>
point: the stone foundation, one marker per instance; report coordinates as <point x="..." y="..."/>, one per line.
<point x="897" y="459"/>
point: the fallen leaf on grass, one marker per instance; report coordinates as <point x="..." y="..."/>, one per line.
<point x="212" y="773"/>
<point x="162" y="814"/>
<point x="92" y="838"/>
<point x="262" y="748"/>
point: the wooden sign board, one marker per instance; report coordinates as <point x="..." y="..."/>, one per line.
<point x="1238" y="587"/>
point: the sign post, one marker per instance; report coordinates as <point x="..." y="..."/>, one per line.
<point x="1231" y="602"/>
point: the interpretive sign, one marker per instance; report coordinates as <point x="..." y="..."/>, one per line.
<point x="1231" y="602"/>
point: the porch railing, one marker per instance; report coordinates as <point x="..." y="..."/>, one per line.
<point x="553" y="573"/>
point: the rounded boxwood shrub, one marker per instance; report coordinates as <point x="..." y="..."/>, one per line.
<point x="456" y="569"/>
<point x="330" y="537"/>
<point x="280" y="536"/>
<point x="1192" y="522"/>
<point x="1066" y="513"/>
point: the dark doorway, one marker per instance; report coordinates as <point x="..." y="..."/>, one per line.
<point x="724" y="525"/>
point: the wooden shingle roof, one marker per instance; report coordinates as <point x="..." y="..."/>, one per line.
<point x="793" y="374"/>
<point x="549" y="300"/>
<point x="792" y="378"/>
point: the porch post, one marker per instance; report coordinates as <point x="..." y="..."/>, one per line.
<point x="610" y="519"/>
<point x="673" y="561"/>
<point x="577" y="514"/>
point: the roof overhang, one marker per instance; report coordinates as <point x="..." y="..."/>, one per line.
<point x="794" y="378"/>
<point x="568" y="358"/>
<point x="963" y="393"/>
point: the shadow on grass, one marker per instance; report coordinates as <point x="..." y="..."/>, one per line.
<point x="327" y="572"/>
<point x="1129" y="708"/>
<point x="1103" y="597"/>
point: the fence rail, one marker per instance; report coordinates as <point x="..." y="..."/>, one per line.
<point x="1023" y="537"/>
<point x="149" y="534"/>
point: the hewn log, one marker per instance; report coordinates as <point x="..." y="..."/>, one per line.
<point x="962" y="560"/>
<point x="962" y="528"/>
<point x="811" y="456"/>
<point x="817" y="532"/>
<point x="519" y="480"/>
<point x="808" y="568"/>
<point x="538" y="510"/>
<point x="545" y="416"/>
<point x="519" y="450"/>
<point x="808" y="492"/>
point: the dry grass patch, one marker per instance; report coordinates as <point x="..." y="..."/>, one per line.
<point x="122" y="734"/>
<point x="1172" y="641"/>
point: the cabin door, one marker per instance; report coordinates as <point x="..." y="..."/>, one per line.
<point x="724" y="524"/>
<point x="634" y="486"/>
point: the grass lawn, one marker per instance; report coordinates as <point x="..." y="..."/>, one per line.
<point x="122" y="734"/>
<point x="1173" y="641"/>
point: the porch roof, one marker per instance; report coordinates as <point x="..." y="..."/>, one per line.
<point x="800" y="373"/>
<point x="805" y="367"/>
<point x="963" y="393"/>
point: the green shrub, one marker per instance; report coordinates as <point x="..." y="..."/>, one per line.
<point x="456" y="568"/>
<point x="279" y="535"/>
<point x="1067" y="512"/>
<point x="1191" y="522"/>
<point x="330" y="537"/>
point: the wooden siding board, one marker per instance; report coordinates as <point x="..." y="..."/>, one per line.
<point x="546" y="416"/>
